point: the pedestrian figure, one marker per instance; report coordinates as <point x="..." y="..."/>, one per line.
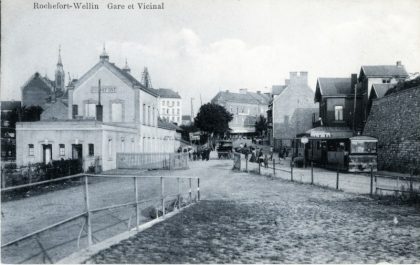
<point x="271" y="153"/>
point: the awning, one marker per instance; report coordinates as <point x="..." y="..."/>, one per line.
<point x="330" y="132"/>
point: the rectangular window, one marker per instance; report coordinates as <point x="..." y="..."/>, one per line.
<point x="144" y="113"/>
<point x="62" y="150"/>
<point x="90" y="110"/>
<point x="91" y="150"/>
<point x="177" y="111"/>
<point x="177" y="103"/>
<point x="75" y="111"/>
<point x="338" y="110"/>
<point x="31" y="149"/>
<point x="122" y="144"/>
<point x="110" y="148"/>
<point x="163" y="102"/>
<point x="116" y="110"/>
<point x="148" y="115"/>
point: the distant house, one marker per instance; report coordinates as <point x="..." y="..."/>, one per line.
<point x="378" y="74"/>
<point x="170" y="105"/>
<point x="293" y="109"/>
<point x="186" y="120"/>
<point x="39" y="90"/>
<point x="245" y="106"/>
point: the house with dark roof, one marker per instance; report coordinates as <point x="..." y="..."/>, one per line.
<point x="245" y="106"/>
<point x="337" y="104"/>
<point x="170" y="105"/>
<point x="378" y="74"/>
<point x="39" y="90"/>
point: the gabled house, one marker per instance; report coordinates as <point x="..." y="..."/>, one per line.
<point x="292" y="110"/>
<point x="378" y="74"/>
<point x="337" y="104"/>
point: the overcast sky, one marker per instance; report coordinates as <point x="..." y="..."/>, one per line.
<point x="201" y="47"/>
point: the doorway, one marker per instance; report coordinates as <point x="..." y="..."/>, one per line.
<point x="46" y="153"/>
<point x="77" y="151"/>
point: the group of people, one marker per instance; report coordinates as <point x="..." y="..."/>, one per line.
<point x="197" y="154"/>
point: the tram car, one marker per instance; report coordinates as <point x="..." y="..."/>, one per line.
<point x="354" y="154"/>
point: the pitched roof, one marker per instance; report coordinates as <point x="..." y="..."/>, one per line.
<point x="247" y="98"/>
<point x="383" y="71"/>
<point x="334" y="86"/>
<point x="278" y="89"/>
<point x="381" y="89"/>
<point x="9" y="105"/>
<point x="125" y="76"/>
<point x="167" y="125"/>
<point x="167" y="93"/>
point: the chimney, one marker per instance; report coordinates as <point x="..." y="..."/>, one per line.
<point x="99" y="109"/>
<point x="70" y="90"/>
<point x="243" y="90"/>
<point x="399" y="64"/>
<point x="287" y="82"/>
<point x="353" y="81"/>
<point x="227" y="90"/>
<point x="258" y="92"/>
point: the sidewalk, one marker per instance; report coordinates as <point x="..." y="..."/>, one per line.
<point x="350" y="182"/>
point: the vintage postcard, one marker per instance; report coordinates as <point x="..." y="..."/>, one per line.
<point x="235" y="131"/>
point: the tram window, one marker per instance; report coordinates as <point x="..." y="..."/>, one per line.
<point x="363" y="147"/>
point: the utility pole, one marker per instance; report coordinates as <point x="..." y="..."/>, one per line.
<point x="354" y="109"/>
<point x="192" y="109"/>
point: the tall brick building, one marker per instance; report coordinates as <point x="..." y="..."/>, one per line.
<point x="293" y="109"/>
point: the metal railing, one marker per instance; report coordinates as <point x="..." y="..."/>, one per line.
<point x="163" y="198"/>
<point x="366" y="183"/>
<point x="152" y="160"/>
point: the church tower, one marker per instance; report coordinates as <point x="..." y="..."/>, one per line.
<point x="59" y="76"/>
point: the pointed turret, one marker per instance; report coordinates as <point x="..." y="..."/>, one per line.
<point x="104" y="56"/>
<point x="126" y="67"/>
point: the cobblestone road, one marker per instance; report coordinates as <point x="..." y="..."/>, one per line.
<point x="247" y="218"/>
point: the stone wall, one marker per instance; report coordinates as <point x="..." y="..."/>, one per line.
<point x="395" y="121"/>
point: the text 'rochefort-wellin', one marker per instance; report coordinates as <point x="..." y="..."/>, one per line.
<point x="96" y="6"/>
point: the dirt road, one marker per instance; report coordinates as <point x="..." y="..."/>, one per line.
<point x="247" y="218"/>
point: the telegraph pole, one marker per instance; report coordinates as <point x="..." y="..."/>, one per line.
<point x="192" y="109"/>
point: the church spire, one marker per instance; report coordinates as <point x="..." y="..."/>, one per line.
<point x="59" y="75"/>
<point x="59" y="56"/>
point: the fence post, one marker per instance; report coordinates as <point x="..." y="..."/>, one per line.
<point x="198" y="189"/>
<point x="190" y="195"/>
<point x="246" y="163"/>
<point x="179" y="194"/>
<point x="136" y="194"/>
<point x="3" y="179"/>
<point x="291" y="171"/>
<point x="162" y="197"/>
<point x="371" y="180"/>
<point x="338" y="176"/>
<point x="274" y="167"/>
<point x="312" y="172"/>
<point x="88" y="214"/>
<point x="259" y="167"/>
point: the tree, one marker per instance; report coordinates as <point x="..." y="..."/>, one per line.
<point x="213" y="119"/>
<point x="261" y="125"/>
<point x="32" y="113"/>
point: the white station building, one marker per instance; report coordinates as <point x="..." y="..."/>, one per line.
<point x="127" y="121"/>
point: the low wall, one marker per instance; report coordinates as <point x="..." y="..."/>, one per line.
<point x="152" y="160"/>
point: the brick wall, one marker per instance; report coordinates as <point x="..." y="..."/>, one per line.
<point x="395" y="121"/>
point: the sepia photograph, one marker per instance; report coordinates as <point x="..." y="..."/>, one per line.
<point x="210" y="132"/>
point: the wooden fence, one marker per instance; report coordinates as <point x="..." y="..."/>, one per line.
<point x="152" y="161"/>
